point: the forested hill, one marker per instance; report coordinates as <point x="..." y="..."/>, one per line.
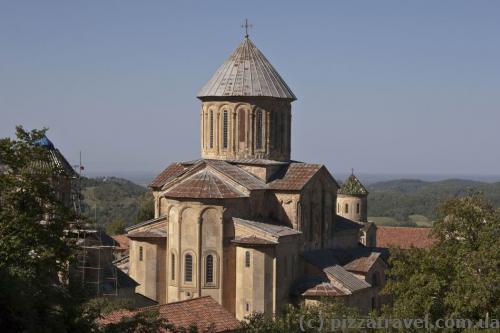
<point x="410" y="202"/>
<point x="110" y="199"/>
<point x="404" y="202"/>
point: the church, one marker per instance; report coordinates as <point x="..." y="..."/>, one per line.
<point x="246" y="224"/>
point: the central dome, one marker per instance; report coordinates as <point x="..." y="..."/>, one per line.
<point x="246" y="72"/>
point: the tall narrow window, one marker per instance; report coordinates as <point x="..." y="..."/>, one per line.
<point x="188" y="268"/>
<point x="346" y="208"/>
<point x="172" y="263"/>
<point x="247" y="259"/>
<point x="241" y="125"/>
<point x="141" y="253"/>
<point x="224" y="129"/>
<point x="357" y="208"/>
<point x="338" y="208"/>
<point x="258" y="130"/>
<point x="209" y="269"/>
<point x="211" y="129"/>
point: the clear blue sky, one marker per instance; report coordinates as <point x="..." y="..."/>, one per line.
<point x="393" y="87"/>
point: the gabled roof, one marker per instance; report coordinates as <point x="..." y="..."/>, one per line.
<point x="204" y="184"/>
<point x="202" y="311"/>
<point x="253" y="241"/>
<point x="404" y="237"/>
<point x="237" y="174"/>
<point x="295" y="176"/>
<point x="246" y="72"/>
<point x="274" y="230"/>
<point x="172" y="171"/>
<point x="352" y="186"/>
<point x="151" y="233"/>
<point x="57" y="159"/>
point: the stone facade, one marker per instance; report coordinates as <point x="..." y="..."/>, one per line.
<point x="236" y="224"/>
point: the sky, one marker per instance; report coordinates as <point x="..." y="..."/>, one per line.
<point x="384" y="87"/>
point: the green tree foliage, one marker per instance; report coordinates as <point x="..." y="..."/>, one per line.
<point x="110" y="198"/>
<point x="146" y="207"/>
<point x="34" y="253"/>
<point x="297" y="318"/>
<point x="459" y="276"/>
<point x="401" y="198"/>
<point x="116" y="227"/>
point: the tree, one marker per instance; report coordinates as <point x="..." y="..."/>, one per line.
<point x="459" y="276"/>
<point x="33" y="253"/>
<point x="146" y="209"/>
<point x="116" y="227"/>
<point x="35" y="295"/>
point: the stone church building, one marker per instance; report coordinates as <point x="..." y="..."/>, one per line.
<point x="246" y="224"/>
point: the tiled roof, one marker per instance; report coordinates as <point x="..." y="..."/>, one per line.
<point x="294" y="177"/>
<point x="347" y="279"/>
<point x="172" y="171"/>
<point x="342" y="224"/>
<point x="274" y="230"/>
<point x="122" y="241"/>
<point x="331" y="262"/>
<point x="246" y="73"/>
<point x="352" y="186"/>
<point x="202" y="311"/>
<point x="145" y="223"/>
<point x="324" y="289"/>
<point x="204" y="184"/>
<point x="237" y="174"/>
<point x="151" y="233"/>
<point x="362" y="264"/>
<point x="404" y="237"/>
<point x="253" y="240"/>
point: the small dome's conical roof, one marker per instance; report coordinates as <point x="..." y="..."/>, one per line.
<point x="246" y="72"/>
<point x="352" y="186"/>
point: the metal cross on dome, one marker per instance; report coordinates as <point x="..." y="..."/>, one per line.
<point x="246" y="25"/>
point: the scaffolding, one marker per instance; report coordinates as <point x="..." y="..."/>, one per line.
<point x="94" y="262"/>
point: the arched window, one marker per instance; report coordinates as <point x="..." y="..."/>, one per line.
<point x="209" y="269"/>
<point x="224" y="129"/>
<point x="241" y="125"/>
<point x="247" y="259"/>
<point x="258" y="130"/>
<point x="346" y="209"/>
<point x="211" y="129"/>
<point x="188" y="268"/>
<point x="357" y="208"/>
<point x="172" y="264"/>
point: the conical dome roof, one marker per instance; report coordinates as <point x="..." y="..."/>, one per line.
<point x="246" y="72"/>
<point x="352" y="186"/>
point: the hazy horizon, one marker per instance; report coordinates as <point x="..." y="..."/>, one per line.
<point x="386" y="87"/>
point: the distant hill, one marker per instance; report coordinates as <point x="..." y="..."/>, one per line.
<point x="414" y="202"/>
<point x="110" y="198"/>
<point x="405" y="202"/>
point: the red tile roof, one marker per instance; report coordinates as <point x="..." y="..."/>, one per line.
<point x="295" y="177"/>
<point x="404" y="237"/>
<point x="202" y="311"/>
<point x="122" y="241"/>
<point x="172" y="171"/>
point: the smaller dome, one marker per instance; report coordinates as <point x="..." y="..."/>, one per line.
<point x="352" y="186"/>
<point x="44" y="142"/>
